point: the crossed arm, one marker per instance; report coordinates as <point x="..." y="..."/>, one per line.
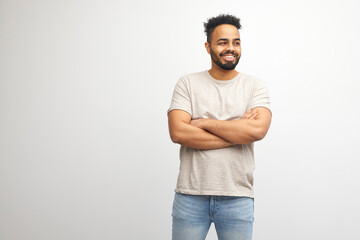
<point x="213" y="134"/>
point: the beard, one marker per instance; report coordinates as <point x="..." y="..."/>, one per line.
<point x="228" y="65"/>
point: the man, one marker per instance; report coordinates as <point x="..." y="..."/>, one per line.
<point x="216" y="116"/>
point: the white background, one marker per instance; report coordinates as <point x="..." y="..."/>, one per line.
<point x="85" y="85"/>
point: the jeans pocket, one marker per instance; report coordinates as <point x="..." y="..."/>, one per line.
<point x="239" y="209"/>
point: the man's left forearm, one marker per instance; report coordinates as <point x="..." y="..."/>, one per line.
<point x="252" y="127"/>
<point x="242" y="131"/>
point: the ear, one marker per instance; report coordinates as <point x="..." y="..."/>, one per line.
<point x="207" y="46"/>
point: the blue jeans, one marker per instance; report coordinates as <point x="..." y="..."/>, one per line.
<point x="192" y="215"/>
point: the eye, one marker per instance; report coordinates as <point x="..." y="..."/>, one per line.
<point x="222" y="43"/>
<point x="237" y="43"/>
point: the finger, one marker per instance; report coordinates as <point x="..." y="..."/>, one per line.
<point x="248" y="114"/>
<point x="252" y="116"/>
<point x="245" y="115"/>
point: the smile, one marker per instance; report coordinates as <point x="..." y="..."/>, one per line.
<point x="228" y="57"/>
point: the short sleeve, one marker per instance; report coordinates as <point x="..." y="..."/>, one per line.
<point x="181" y="97"/>
<point x="260" y="95"/>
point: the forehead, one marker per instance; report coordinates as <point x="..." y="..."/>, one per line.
<point x="225" y="31"/>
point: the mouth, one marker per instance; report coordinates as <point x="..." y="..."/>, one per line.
<point x="228" y="57"/>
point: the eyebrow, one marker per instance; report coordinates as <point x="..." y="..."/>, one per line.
<point x="225" y="39"/>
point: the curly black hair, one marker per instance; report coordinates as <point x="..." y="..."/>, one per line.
<point x="213" y="22"/>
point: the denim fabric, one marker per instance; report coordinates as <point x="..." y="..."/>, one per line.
<point x="192" y="216"/>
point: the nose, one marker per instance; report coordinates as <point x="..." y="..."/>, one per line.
<point x="230" y="47"/>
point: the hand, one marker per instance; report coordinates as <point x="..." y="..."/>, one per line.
<point x="197" y="122"/>
<point x="251" y="114"/>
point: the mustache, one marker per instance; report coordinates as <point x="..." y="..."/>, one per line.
<point x="229" y="52"/>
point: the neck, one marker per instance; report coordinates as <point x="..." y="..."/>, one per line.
<point x="221" y="74"/>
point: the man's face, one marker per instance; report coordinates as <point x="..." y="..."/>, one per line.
<point x="224" y="48"/>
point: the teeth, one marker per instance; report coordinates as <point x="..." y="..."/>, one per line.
<point x="229" y="57"/>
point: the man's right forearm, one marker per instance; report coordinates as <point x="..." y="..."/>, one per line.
<point x="194" y="137"/>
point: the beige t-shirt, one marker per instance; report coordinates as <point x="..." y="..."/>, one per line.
<point x="226" y="171"/>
